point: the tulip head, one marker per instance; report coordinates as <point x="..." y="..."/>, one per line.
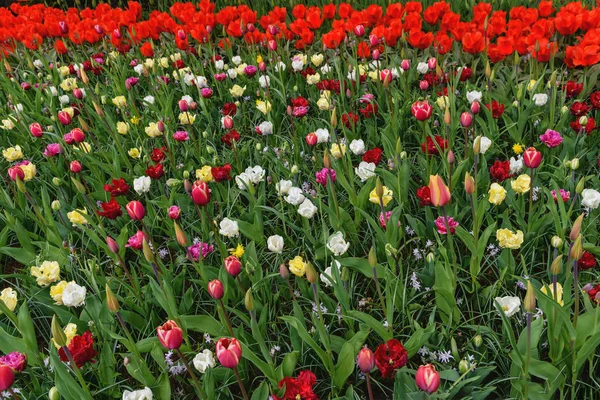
<point x="170" y="335"/>
<point x="365" y="360"/>
<point x="136" y="210"/>
<point x="233" y="266"/>
<point x="427" y="378"/>
<point x="216" y="289"/>
<point x="440" y="194"/>
<point x="200" y="193"/>
<point x="532" y="158"/>
<point x="7" y="377"/>
<point x="421" y="110"/>
<point x="229" y="352"/>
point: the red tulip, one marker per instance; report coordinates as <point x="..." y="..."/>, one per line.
<point x="427" y="378"/>
<point x="181" y="34"/>
<point x="136" y="210"/>
<point x="16" y="172"/>
<point x="36" y="130"/>
<point x="439" y="192"/>
<point x="359" y="30"/>
<point x="64" y="117"/>
<point x="423" y="85"/>
<point x="532" y="158"/>
<point x="365" y="360"/>
<point x="466" y="119"/>
<point x="229" y="352"/>
<point x="421" y="110"/>
<point x="170" y="335"/>
<point x="273" y="29"/>
<point x="64" y="27"/>
<point x="272" y="44"/>
<point x="75" y="167"/>
<point x="233" y="266"/>
<point x="99" y="30"/>
<point x="215" y="289"/>
<point x="7" y="377"/>
<point x="200" y="193"/>
<point x="311" y="139"/>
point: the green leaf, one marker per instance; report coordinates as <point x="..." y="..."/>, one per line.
<point x="346" y="359"/>
<point x="204" y="324"/>
<point x="64" y="381"/>
<point x="262" y="392"/>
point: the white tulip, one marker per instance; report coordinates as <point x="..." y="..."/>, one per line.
<point x="275" y="244"/>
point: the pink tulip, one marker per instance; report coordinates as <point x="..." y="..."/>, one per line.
<point x="36" y="130"/>
<point x="386" y="77"/>
<point x="78" y="93"/>
<point x="233" y="266"/>
<point x="475" y="107"/>
<point x="365" y="360"/>
<point x="16" y="172"/>
<point x="423" y="85"/>
<point x="215" y="289"/>
<point x="64" y="117"/>
<point x="64" y="27"/>
<point x="229" y="352"/>
<point x="375" y="54"/>
<point x="405" y="65"/>
<point x="170" y="335"/>
<point x="206" y="93"/>
<point x="427" y="378"/>
<point x="183" y="105"/>
<point x="113" y="246"/>
<point x="136" y="210"/>
<point x="200" y="193"/>
<point x="431" y="63"/>
<point x="359" y="30"/>
<point x="75" y="167"/>
<point x="466" y="119"/>
<point x="77" y="135"/>
<point x="272" y="45"/>
<point x="174" y="212"/>
<point x="181" y="136"/>
<point x="227" y="122"/>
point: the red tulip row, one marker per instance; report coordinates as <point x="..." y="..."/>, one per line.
<point x="540" y="32"/>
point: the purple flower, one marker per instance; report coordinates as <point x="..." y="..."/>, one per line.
<point x="131" y="82"/>
<point x="323" y="174"/>
<point x="551" y="138"/>
<point x="17" y="361"/>
<point x="250" y="70"/>
<point x="194" y="251"/>
<point x="52" y="150"/>
<point x="440" y="224"/>
<point x="181" y="136"/>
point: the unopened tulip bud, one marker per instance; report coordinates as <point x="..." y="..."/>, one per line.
<point x="464" y="366"/>
<point x="311" y="273"/>
<point x="432" y="63"/>
<point x="576" y="229"/>
<point x="84" y="77"/>
<point x="580" y="186"/>
<point x="583" y="120"/>
<point x="180" y="235"/>
<point x="365" y="360"/>
<point x="53" y="393"/>
<point x="466" y="119"/>
<point x="345" y="274"/>
<point x="284" y="272"/>
<point x="78" y="185"/>
<point x="403" y="155"/>
<point x="56" y="205"/>
<point x="98" y="109"/>
<point x="373" y="40"/>
<point x="577" y="249"/>
<point x="488" y="70"/>
<point x="430" y="257"/>
<point x="379" y="188"/>
<point x="111" y="300"/>
<point x="249" y="300"/>
<point x="359" y="30"/>
<point x="405" y="65"/>
<point x="333" y="119"/>
<point x="477" y="145"/>
<point x="529" y="302"/>
<point x="57" y="333"/>
<point x="215" y="289"/>
<point x="469" y="184"/>
<point x="148" y="255"/>
<point x="326" y="159"/>
<point x="372" y="257"/>
<point x="475" y="107"/>
<point x="375" y="54"/>
<point x="447" y="117"/>
<point x="556" y="267"/>
<point x="112" y="245"/>
<point x="574" y="163"/>
<point x="294" y="170"/>
<point x="556" y="242"/>
<point x="478" y="341"/>
<point x="75" y="167"/>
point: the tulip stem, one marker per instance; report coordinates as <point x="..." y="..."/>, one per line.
<point x="451" y="245"/>
<point x="576" y="287"/>
<point x="226" y="318"/>
<point x="530" y="198"/>
<point x="381" y="298"/>
<point x="528" y="355"/>
<point x="369" y="388"/>
<point x="187" y="366"/>
<point x="242" y="388"/>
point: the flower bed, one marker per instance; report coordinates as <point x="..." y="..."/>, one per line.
<point x="313" y="202"/>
